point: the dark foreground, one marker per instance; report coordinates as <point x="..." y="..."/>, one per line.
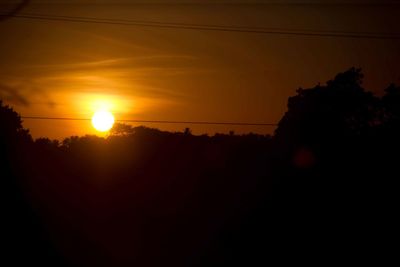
<point x="323" y="189"/>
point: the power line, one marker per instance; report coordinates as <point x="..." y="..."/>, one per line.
<point x="224" y="3"/>
<point x="208" y="27"/>
<point x="156" y="121"/>
<point x="203" y="25"/>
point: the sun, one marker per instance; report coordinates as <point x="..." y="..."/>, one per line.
<point x="102" y="120"/>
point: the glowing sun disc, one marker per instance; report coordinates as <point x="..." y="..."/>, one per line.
<point x="102" y="120"/>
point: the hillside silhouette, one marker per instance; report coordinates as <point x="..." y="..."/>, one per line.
<point x="322" y="189"/>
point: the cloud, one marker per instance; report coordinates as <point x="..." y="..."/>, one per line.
<point x="150" y="77"/>
<point x="24" y="93"/>
<point x="145" y="76"/>
<point x="13" y="95"/>
<point x="131" y="63"/>
<point x="12" y="9"/>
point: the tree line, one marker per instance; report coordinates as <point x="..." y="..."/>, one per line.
<point x="322" y="188"/>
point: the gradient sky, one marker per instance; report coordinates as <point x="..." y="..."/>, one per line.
<point x="68" y="69"/>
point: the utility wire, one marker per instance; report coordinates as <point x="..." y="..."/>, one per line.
<point x="224" y="3"/>
<point x="205" y="27"/>
<point x="235" y="27"/>
<point x="155" y="121"/>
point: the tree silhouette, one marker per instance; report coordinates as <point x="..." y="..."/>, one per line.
<point x="342" y="138"/>
<point x="121" y="129"/>
<point x="326" y="115"/>
<point x="325" y="184"/>
<point x="187" y="131"/>
<point x="22" y="233"/>
<point x="391" y="104"/>
<point x="11" y="128"/>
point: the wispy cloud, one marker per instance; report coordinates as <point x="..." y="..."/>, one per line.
<point x="134" y="63"/>
<point x="13" y="95"/>
<point x="25" y="92"/>
<point x="143" y="77"/>
<point x="131" y="75"/>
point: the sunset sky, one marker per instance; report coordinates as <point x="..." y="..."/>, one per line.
<point x="71" y="69"/>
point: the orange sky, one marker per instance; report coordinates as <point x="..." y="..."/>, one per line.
<point x="64" y="69"/>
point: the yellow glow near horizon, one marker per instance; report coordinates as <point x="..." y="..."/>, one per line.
<point x="85" y="104"/>
<point x="102" y="104"/>
<point x="102" y="120"/>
